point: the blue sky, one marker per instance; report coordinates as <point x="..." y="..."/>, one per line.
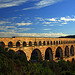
<point x="37" y="18"/>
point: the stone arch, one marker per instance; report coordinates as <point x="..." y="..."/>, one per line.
<point x="24" y="44"/>
<point x="36" y="55"/>
<point x="48" y="54"/>
<point x="44" y="43"/>
<point x="20" y="52"/>
<point x="2" y="44"/>
<point x="40" y="43"/>
<point x="51" y="42"/>
<point x="59" y="42"/>
<point x="17" y="44"/>
<point x="30" y="43"/>
<point x="47" y="42"/>
<point x="54" y="42"/>
<point x="10" y="44"/>
<point x="59" y="53"/>
<point x="66" y="51"/>
<point x="72" y="50"/>
<point x="35" y="43"/>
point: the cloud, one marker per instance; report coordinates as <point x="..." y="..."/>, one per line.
<point x="14" y="29"/>
<point x="46" y="29"/>
<point x="38" y="4"/>
<point x="42" y="3"/>
<point x="10" y="34"/>
<point x="44" y="25"/>
<point x="46" y="22"/>
<point x="10" y="3"/>
<point x="67" y="19"/>
<point x="64" y="23"/>
<point x="40" y="18"/>
<point x="23" y="24"/>
<point x="51" y="25"/>
<point x="60" y="25"/>
<point x="4" y="22"/>
<point x="52" y="19"/>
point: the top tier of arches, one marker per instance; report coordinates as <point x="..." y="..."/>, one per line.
<point x="35" y="43"/>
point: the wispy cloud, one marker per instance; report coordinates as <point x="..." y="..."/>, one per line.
<point x="10" y="3"/>
<point x="14" y="29"/>
<point x="52" y="19"/>
<point x="46" y="29"/>
<point x="42" y="3"/>
<point x="51" y="25"/>
<point x="64" y="23"/>
<point x="10" y="34"/>
<point x="23" y="24"/>
<point x="46" y="22"/>
<point x="67" y="19"/>
<point x="4" y="22"/>
<point x="56" y="20"/>
<point x="38" y="4"/>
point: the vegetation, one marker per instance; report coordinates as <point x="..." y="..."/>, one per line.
<point x="70" y="36"/>
<point x="16" y="64"/>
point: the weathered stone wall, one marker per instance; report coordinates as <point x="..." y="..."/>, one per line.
<point x="28" y="49"/>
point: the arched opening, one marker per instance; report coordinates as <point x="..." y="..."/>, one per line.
<point x="44" y="43"/>
<point x="48" y="54"/>
<point x="72" y="51"/>
<point x="59" y="53"/>
<point x="54" y="42"/>
<point x="24" y="44"/>
<point x="10" y="44"/>
<point x="21" y="55"/>
<point x="40" y="43"/>
<point x="59" y="42"/>
<point x="36" y="55"/>
<point x="18" y="44"/>
<point x="2" y="44"/>
<point x="35" y="43"/>
<point x="66" y="51"/>
<point x="47" y="42"/>
<point x="30" y="43"/>
<point x="51" y="42"/>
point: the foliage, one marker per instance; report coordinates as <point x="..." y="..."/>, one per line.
<point x="16" y="64"/>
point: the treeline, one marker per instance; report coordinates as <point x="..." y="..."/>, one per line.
<point x="17" y="64"/>
<point x="70" y="36"/>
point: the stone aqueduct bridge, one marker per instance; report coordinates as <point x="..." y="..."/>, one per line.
<point x="47" y="48"/>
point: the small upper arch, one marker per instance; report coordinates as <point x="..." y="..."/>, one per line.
<point x="40" y="43"/>
<point x="2" y="44"/>
<point x="24" y="44"/>
<point x="44" y="43"/>
<point x="30" y="43"/>
<point x="10" y="44"/>
<point x="35" y="43"/>
<point x="17" y="44"/>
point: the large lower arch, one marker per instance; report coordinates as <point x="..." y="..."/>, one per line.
<point x="72" y="51"/>
<point x="17" y="44"/>
<point x="2" y="44"/>
<point x="10" y="44"/>
<point x="48" y="54"/>
<point x="66" y="51"/>
<point x="21" y="54"/>
<point x="36" y="55"/>
<point x="59" y="53"/>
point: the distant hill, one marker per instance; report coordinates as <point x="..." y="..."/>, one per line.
<point x="70" y="36"/>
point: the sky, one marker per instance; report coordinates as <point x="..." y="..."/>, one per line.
<point x="37" y="18"/>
